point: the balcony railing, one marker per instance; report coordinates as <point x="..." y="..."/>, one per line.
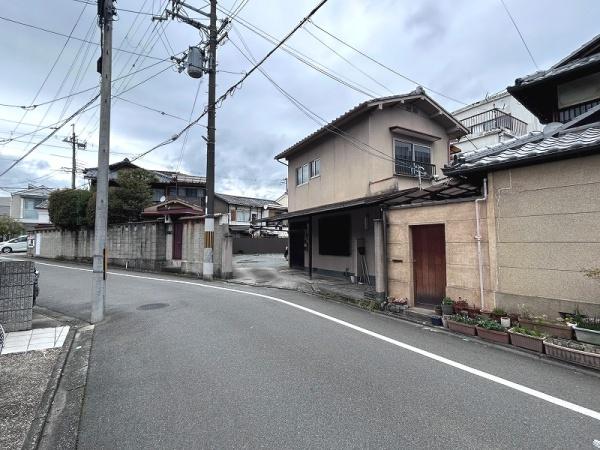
<point x="494" y="119"/>
<point x="412" y="168"/>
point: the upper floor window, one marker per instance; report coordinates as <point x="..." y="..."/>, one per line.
<point x="410" y="158"/>
<point x="29" y="211"/>
<point x="315" y="168"/>
<point x="302" y="175"/>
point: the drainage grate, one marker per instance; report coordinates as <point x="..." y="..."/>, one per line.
<point x="149" y="306"/>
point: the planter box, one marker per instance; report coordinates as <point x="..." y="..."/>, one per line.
<point x="463" y="328"/>
<point x="501" y="337"/>
<point x="589" y="336"/>
<point x="529" y="342"/>
<point x="573" y="352"/>
<point x="551" y="329"/>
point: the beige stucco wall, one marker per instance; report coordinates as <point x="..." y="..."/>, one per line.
<point x="547" y="227"/>
<point x="462" y="269"/>
<point x="348" y="172"/>
<point x="361" y="228"/>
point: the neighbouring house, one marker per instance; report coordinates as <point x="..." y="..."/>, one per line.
<point x="534" y="227"/>
<point x="282" y="199"/>
<point x="5" y="206"/>
<point x="497" y="118"/>
<point x="168" y="185"/>
<point x="30" y="206"/>
<point x="245" y="215"/>
<point x="340" y="177"/>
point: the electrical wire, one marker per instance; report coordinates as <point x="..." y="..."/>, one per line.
<point x="185" y="138"/>
<point x="520" y="34"/>
<point x="380" y="64"/>
<point x="236" y="85"/>
<point x="72" y="37"/>
<point x="28" y="152"/>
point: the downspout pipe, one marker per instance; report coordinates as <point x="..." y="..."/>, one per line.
<point x="478" y="239"/>
<point x="385" y="252"/>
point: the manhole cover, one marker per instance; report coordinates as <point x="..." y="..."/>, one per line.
<point x="148" y="306"/>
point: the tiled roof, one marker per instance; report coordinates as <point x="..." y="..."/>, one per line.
<point x="163" y="176"/>
<point x="35" y="191"/>
<point x="555" y="71"/>
<point x="526" y="149"/>
<point x="418" y="94"/>
<point x="247" y="201"/>
<point x="42" y="205"/>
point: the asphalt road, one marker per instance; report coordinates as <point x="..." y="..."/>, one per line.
<point x="218" y="368"/>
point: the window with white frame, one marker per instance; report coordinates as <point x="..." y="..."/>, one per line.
<point x="315" y="168"/>
<point x="411" y="157"/>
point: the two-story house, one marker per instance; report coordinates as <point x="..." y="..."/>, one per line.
<point x="245" y="215"/>
<point x="167" y="185"/>
<point x="340" y="175"/>
<point x="497" y="118"/>
<point x="30" y="206"/>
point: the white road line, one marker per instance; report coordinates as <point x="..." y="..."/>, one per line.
<point x="488" y="376"/>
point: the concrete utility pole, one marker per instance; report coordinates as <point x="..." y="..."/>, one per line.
<point x="209" y="221"/>
<point x="105" y="12"/>
<point x="76" y="144"/>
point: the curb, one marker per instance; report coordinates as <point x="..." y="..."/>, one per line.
<point x="39" y="430"/>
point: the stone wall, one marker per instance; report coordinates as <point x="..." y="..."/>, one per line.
<point x="16" y="295"/>
<point x="192" y="252"/>
<point x="136" y="245"/>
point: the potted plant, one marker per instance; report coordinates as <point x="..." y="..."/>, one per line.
<point x="460" y="305"/>
<point x="527" y="338"/>
<point x="556" y="328"/>
<point x="463" y="324"/>
<point x="497" y="314"/>
<point x="588" y="330"/>
<point x="574" y="352"/>
<point x="447" y="306"/>
<point x="490" y="330"/>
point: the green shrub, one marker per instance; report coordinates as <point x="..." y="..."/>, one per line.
<point x="9" y="228"/>
<point x="67" y="208"/>
<point x="447" y="301"/>
<point x="490" y="325"/>
<point x="499" y="312"/>
<point x="528" y="332"/>
<point x="463" y="319"/>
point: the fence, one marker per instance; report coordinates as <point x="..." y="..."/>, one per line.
<point x="247" y="245"/>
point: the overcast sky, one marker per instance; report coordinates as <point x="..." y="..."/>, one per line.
<point x="464" y="49"/>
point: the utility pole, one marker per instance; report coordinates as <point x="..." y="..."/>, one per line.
<point x="196" y="68"/>
<point x="76" y="144"/>
<point x="209" y="221"/>
<point x="105" y="13"/>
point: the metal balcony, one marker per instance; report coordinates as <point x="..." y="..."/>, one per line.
<point x="494" y="119"/>
<point x="411" y="168"/>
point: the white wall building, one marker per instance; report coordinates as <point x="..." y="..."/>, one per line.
<point x="30" y="206"/>
<point x="497" y="118"/>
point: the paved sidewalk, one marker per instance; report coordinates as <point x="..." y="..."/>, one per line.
<point x="36" y="339"/>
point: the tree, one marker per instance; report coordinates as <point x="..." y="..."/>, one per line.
<point x="127" y="200"/>
<point x="67" y="208"/>
<point x="9" y="227"/>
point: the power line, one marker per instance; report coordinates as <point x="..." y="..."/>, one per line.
<point x="236" y="85"/>
<point x="380" y="64"/>
<point x="52" y="67"/>
<point x="28" y="152"/>
<point x="520" y="34"/>
<point x="72" y="37"/>
<point x="181" y="153"/>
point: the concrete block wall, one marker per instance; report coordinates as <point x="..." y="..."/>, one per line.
<point x="192" y="252"/>
<point x="16" y="295"/>
<point x="137" y="245"/>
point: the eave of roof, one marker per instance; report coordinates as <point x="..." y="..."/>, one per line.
<point x="417" y="94"/>
<point x="590" y="46"/>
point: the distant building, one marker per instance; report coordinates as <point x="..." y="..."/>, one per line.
<point x="4" y="206"/>
<point x="168" y="185"/>
<point x="497" y="118"/>
<point x="30" y="206"/>
<point x="245" y="214"/>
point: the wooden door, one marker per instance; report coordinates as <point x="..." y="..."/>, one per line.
<point x="429" y="263"/>
<point x="177" y="239"/>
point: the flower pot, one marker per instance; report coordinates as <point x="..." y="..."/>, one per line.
<point x="447" y="309"/>
<point x="463" y="328"/>
<point x="437" y="321"/>
<point x="500" y="337"/>
<point x="445" y="320"/>
<point x="574" y="352"/>
<point x="551" y="329"/>
<point x="505" y="322"/>
<point x="585" y="335"/>
<point x="529" y="342"/>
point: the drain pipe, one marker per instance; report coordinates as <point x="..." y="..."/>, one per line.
<point x="478" y="239"/>
<point x="385" y="252"/>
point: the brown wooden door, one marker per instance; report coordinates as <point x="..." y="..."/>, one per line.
<point x="177" y="239"/>
<point x="429" y="263"/>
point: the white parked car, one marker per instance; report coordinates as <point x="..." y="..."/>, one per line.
<point x="18" y="244"/>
